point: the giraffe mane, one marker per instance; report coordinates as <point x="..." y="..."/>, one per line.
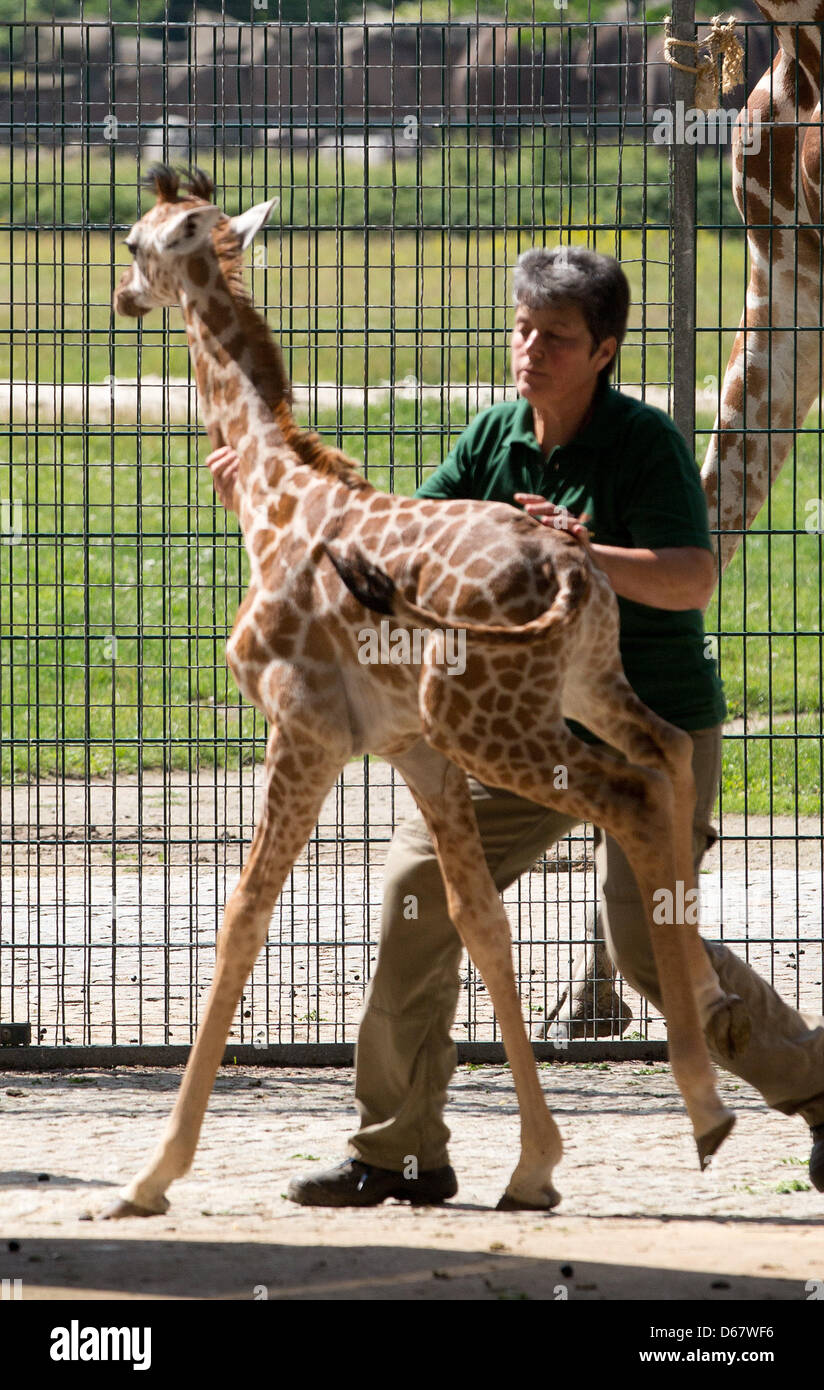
<point x="269" y="376"/>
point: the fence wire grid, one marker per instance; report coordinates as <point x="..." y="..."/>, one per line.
<point x="413" y="160"/>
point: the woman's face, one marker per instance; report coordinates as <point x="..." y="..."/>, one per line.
<point x="554" y="358"/>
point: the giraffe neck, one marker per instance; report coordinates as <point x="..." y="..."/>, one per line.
<point x="773" y="375"/>
<point x="798" y="32"/>
<point x="243" y="388"/>
<point x="789" y="12"/>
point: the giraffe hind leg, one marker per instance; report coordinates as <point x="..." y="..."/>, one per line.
<point x="610" y="707"/>
<point x="635" y="805"/>
<point x="475" y="907"/>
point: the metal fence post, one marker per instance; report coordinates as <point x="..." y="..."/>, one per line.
<point x="682" y="170"/>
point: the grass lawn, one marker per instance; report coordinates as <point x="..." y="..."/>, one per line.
<point x="345" y="309"/>
<point x="356" y="307"/>
<point x="114" y="611"/>
<point x="116" y="602"/>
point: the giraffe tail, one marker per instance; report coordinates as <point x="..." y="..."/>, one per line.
<point x="377" y="591"/>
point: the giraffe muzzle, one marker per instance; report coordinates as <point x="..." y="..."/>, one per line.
<point x="126" y="305"/>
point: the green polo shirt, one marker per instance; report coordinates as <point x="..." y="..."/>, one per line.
<point x="630" y="470"/>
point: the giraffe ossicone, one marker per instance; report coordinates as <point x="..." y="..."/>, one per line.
<point x="327" y="554"/>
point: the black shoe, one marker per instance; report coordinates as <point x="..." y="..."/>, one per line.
<point x="356" y="1184"/>
<point x="817" y="1157"/>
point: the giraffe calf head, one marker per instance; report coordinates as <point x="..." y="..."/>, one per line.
<point x="168" y="238"/>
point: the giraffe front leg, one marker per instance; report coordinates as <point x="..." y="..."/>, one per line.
<point x="298" y="776"/>
<point x="441" y="792"/>
<point x="245" y="924"/>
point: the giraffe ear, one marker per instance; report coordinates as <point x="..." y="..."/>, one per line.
<point x="248" y="224"/>
<point x="188" y="230"/>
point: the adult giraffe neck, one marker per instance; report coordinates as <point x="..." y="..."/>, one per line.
<point x="773" y="375"/>
<point x="790" y="13"/>
<point x="798" y="32"/>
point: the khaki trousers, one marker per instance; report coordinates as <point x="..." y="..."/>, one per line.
<point x="405" y="1055"/>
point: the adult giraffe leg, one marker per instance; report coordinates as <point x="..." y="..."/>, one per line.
<point x="298" y="776"/>
<point x="440" y="790"/>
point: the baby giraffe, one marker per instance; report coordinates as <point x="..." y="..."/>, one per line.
<point x="330" y="560"/>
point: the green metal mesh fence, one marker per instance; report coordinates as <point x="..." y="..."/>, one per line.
<point x="413" y="159"/>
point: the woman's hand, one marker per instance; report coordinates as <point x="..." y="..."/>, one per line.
<point x="557" y="517"/>
<point x="223" y="465"/>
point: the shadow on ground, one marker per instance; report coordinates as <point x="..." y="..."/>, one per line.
<point x="132" y="1268"/>
<point x="17" y="1177"/>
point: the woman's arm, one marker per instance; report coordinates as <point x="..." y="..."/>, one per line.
<point x="676" y="578"/>
<point x="673" y="577"/>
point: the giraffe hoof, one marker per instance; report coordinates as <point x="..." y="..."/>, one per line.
<point x="728" y="1027"/>
<point x="707" y="1144"/>
<point x="122" y="1208"/>
<point x="508" y="1203"/>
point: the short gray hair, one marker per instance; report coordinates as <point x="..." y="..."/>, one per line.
<point x="575" y="275"/>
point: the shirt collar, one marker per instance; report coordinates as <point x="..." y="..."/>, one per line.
<point x="594" y="434"/>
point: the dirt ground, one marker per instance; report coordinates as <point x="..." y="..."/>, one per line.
<point x="637" y="1220"/>
<point x="207" y="817"/>
<point x="114" y="942"/>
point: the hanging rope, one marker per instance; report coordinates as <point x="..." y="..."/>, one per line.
<point x="720" y="43"/>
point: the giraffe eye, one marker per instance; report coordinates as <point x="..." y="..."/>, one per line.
<point x="131" y="246"/>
